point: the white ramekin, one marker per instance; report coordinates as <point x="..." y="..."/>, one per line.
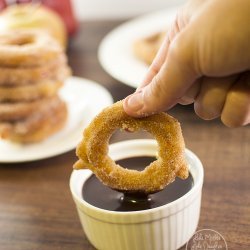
<point x="166" y="227"/>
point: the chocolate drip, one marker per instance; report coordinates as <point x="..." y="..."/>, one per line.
<point x="101" y="196"/>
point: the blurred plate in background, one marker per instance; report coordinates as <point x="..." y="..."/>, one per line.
<point x="115" y="51"/>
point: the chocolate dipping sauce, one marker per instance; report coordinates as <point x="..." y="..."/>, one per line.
<point x="101" y="196"/>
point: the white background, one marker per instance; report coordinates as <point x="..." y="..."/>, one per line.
<point x="115" y="9"/>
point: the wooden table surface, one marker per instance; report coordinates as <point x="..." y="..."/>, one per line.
<point x="36" y="208"/>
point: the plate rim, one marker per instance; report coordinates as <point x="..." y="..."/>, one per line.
<point x="106" y="40"/>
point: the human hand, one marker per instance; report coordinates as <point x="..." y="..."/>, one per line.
<point x="205" y="60"/>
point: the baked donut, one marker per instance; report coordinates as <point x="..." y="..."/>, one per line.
<point x="27" y="48"/>
<point x="38" y="126"/>
<point x="57" y="70"/>
<point x="14" y="111"/>
<point x="29" y="92"/>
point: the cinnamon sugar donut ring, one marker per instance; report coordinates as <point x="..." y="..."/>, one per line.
<point x="29" y="92"/>
<point x="93" y="151"/>
<point x="56" y="70"/>
<point x="38" y="126"/>
<point x="27" y="48"/>
<point x="14" y="111"/>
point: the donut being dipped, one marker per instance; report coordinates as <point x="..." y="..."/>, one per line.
<point x="93" y="151"/>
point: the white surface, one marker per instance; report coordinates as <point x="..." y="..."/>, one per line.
<point x="166" y="227"/>
<point x="115" y="52"/>
<point x="113" y="9"/>
<point x="84" y="100"/>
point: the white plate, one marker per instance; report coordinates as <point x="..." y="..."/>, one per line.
<point x="84" y="100"/>
<point x="115" y="51"/>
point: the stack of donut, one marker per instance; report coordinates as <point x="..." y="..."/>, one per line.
<point x="32" y="69"/>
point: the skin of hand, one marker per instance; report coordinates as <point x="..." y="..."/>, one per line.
<point x="205" y="60"/>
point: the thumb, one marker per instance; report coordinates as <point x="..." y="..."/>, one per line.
<point x="176" y="75"/>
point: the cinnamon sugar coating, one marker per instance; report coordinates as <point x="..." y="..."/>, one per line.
<point x="93" y="151"/>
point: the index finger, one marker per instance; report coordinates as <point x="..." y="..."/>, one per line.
<point x="162" y="53"/>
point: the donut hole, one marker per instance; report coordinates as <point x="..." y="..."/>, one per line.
<point x="120" y="134"/>
<point x="136" y="163"/>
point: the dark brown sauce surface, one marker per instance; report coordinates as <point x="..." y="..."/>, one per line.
<point x="101" y="196"/>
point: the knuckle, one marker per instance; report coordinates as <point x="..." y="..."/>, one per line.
<point x="236" y="111"/>
<point x="181" y="52"/>
<point x="155" y="95"/>
<point x="231" y="122"/>
<point x="157" y="87"/>
<point x="186" y="100"/>
<point x="155" y="68"/>
<point x="205" y="112"/>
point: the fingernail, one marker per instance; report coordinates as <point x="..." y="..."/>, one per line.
<point x="135" y="101"/>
